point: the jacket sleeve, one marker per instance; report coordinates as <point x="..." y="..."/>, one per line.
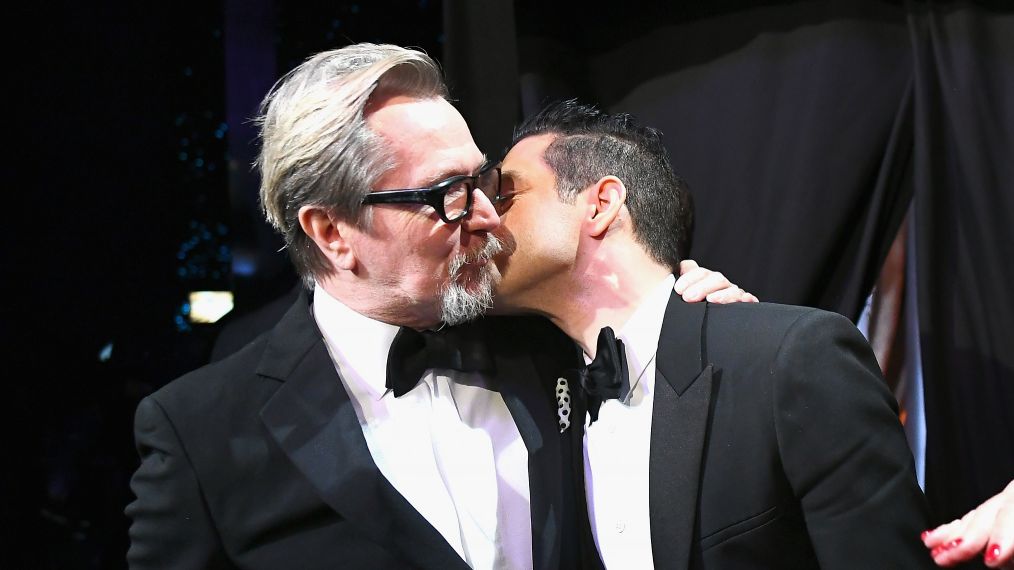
<point x="170" y="524"/>
<point x="844" y="450"/>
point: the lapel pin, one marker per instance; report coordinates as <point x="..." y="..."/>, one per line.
<point x="563" y="403"/>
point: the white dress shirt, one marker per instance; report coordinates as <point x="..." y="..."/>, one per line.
<point x="451" y="449"/>
<point x="616" y="446"/>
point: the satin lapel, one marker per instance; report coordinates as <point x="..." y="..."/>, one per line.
<point x="313" y="421"/>
<point x="519" y="383"/>
<point x="683" y="385"/>
<point x="589" y="552"/>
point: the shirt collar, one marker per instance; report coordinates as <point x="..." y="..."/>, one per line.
<point x="355" y="341"/>
<point x="642" y="330"/>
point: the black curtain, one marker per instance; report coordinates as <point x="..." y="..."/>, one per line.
<point x="791" y="122"/>
<point x="964" y="205"/>
<point x="805" y="130"/>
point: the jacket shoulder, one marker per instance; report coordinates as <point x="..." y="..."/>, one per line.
<point x="214" y="388"/>
<point x="771" y="315"/>
<point x="769" y="321"/>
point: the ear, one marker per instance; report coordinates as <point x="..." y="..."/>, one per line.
<point x="605" y="200"/>
<point x="329" y="234"/>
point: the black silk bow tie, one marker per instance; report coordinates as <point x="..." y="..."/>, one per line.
<point x="413" y="352"/>
<point x="606" y="376"/>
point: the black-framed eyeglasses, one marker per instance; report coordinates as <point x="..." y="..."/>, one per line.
<point x="451" y="198"/>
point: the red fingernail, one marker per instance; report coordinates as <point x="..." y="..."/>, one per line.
<point x="952" y="544"/>
<point x="924" y="534"/>
<point x="992" y="552"/>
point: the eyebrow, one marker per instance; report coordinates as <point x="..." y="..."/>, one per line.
<point x="517" y="176"/>
<point x="449" y="173"/>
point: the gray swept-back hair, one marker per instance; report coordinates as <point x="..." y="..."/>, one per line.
<point x="316" y="149"/>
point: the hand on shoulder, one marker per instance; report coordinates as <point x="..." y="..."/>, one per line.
<point x="695" y="283"/>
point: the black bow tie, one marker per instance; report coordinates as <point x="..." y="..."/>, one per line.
<point x="606" y="377"/>
<point x="413" y="352"/>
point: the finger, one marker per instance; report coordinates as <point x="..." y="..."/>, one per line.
<point x="712" y="282"/>
<point x="960" y="549"/>
<point x="1000" y="546"/>
<point x="729" y="295"/>
<point x="943" y="554"/>
<point x="978" y="524"/>
<point x="732" y="294"/>
<point x="942" y="534"/>
<point x="981" y="531"/>
<point x="996" y="556"/>
<point x="691" y="278"/>
<point x="720" y="297"/>
<point x="687" y="264"/>
<point x="962" y="540"/>
<point x="690" y="273"/>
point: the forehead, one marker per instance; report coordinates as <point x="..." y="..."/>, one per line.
<point x="524" y="166"/>
<point x="526" y="159"/>
<point x="427" y="137"/>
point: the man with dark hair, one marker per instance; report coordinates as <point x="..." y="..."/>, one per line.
<point x="352" y="435"/>
<point x="738" y="436"/>
<point x="599" y="144"/>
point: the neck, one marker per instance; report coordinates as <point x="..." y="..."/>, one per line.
<point x="605" y="288"/>
<point x="387" y="306"/>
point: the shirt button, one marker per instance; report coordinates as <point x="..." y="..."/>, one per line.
<point x="621" y="526"/>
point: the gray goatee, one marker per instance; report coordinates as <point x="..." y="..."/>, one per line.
<point x="458" y="304"/>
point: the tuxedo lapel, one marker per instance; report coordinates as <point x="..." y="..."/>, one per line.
<point x="589" y="554"/>
<point x="683" y="387"/>
<point x="313" y="421"/>
<point x="518" y="382"/>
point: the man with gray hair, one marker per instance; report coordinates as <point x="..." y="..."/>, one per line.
<point x="345" y="436"/>
<point x="293" y="452"/>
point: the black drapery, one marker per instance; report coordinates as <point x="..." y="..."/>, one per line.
<point x="964" y="176"/>
<point x="806" y="130"/>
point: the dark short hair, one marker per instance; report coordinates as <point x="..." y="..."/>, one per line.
<point x="592" y="144"/>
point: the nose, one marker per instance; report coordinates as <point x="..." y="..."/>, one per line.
<point x="483" y="217"/>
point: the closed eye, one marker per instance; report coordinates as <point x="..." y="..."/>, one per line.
<point x="508" y="191"/>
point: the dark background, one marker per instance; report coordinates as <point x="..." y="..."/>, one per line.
<point x="808" y="132"/>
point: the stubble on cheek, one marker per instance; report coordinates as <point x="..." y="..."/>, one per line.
<point x="502" y="260"/>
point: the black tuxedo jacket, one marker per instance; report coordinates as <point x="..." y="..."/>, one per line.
<point x="775" y="443"/>
<point x="258" y="461"/>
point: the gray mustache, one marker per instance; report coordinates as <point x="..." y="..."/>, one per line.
<point x="492" y="247"/>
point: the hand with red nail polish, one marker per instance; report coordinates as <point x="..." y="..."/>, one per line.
<point x="987" y="529"/>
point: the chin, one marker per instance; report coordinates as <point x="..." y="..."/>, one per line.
<point x="503" y="300"/>
<point x="468" y="297"/>
<point x="518" y="293"/>
<point x="474" y="278"/>
<point x="495" y="278"/>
